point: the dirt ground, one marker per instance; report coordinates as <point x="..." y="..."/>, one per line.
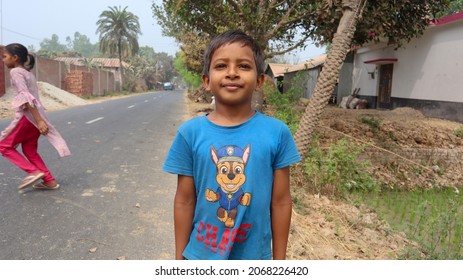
<point x="332" y="229"/>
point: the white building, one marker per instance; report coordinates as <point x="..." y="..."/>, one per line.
<point x="425" y="74"/>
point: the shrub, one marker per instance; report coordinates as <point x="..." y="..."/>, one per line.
<point x="285" y="107"/>
<point x="372" y="122"/>
<point x="459" y="132"/>
<point x="338" y="170"/>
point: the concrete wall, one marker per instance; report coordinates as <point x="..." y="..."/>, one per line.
<point x="427" y="74"/>
<point x="360" y="77"/>
<point x="433" y="65"/>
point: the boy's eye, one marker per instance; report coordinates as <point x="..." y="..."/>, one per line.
<point x="245" y="66"/>
<point x="220" y="66"/>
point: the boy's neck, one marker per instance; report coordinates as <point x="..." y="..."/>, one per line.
<point x="225" y="116"/>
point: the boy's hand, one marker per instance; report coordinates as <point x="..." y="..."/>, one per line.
<point x="211" y="196"/>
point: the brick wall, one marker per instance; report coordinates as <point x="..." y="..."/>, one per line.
<point x="103" y="81"/>
<point x="55" y="72"/>
<point x="79" y="83"/>
<point x="49" y="71"/>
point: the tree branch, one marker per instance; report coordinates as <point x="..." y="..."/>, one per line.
<point x="297" y="45"/>
<point x="269" y="6"/>
<point x="282" y="22"/>
<point x="238" y="10"/>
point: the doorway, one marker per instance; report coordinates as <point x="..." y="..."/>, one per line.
<point x="385" y="86"/>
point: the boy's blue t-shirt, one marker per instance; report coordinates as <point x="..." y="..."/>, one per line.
<point x="233" y="170"/>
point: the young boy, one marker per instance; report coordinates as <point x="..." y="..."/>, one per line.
<point x="233" y="199"/>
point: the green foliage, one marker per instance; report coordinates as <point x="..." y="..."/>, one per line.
<point x="79" y="46"/>
<point x="284" y="105"/>
<point x="191" y="79"/>
<point x="455" y="6"/>
<point x="372" y="122"/>
<point x="82" y="45"/>
<point x="53" y="45"/>
<point x="130" y="83"/>
<point x="338" y="170"/>
<point x="154" y="68"/>
<point x="459" y="132"/>
<point x="279" y="26"/>
<point x="397" y="21"/>
<point x="119" y="30"/>
<point x="431" y="217"/>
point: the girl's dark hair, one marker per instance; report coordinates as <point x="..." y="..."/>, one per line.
<point x="26" y="59"/>
<point x="229" y="37"/>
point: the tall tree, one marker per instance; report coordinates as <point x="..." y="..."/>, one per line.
<point x="118" y="33"/>
<point x="153" y="67"/>
<point x="359" y="21"/>
<point x="81" y="43"/>
<point x="279" y="25"/>
<point x="52" y="47"/>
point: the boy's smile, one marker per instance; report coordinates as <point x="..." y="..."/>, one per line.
<point x="233" y="75"/>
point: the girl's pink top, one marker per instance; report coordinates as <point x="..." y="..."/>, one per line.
<point x="26" y="91"/>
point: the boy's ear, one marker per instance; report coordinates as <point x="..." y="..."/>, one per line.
<point x="205" y="82"/>
<point x="260" y="81"/>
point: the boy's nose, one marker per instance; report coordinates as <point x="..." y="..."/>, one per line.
<point x="232" y="73"/>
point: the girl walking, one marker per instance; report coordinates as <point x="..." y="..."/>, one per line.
<point x="29" y="123"/>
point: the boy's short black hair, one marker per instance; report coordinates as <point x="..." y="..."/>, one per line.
<point x="232" y="36"/>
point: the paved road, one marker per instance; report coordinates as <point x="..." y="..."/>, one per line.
<point x="114" y="199"/>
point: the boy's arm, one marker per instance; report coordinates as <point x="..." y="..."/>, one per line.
<point x="281" y="212"/>
<point x="184" y="208"/>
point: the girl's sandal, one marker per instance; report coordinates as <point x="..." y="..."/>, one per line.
<point x="42" y="186"/>
<point x="29" y="180"/>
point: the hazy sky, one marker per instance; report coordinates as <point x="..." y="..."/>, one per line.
<point x="30" y="21"/>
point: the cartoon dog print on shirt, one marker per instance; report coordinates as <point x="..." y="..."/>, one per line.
<point x="230" y="162"/>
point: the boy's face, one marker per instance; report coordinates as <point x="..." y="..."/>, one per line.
<point x="233" y="75"/>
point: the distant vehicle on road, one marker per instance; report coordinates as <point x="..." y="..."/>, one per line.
<point x="168" y="86"/>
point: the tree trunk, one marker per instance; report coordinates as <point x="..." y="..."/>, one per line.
<point x="327" y="79"/>
<point x="120" y="61"/>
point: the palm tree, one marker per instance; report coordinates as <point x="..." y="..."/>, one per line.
<point x="351" y="10"/>
<point x="119" y="30"/>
